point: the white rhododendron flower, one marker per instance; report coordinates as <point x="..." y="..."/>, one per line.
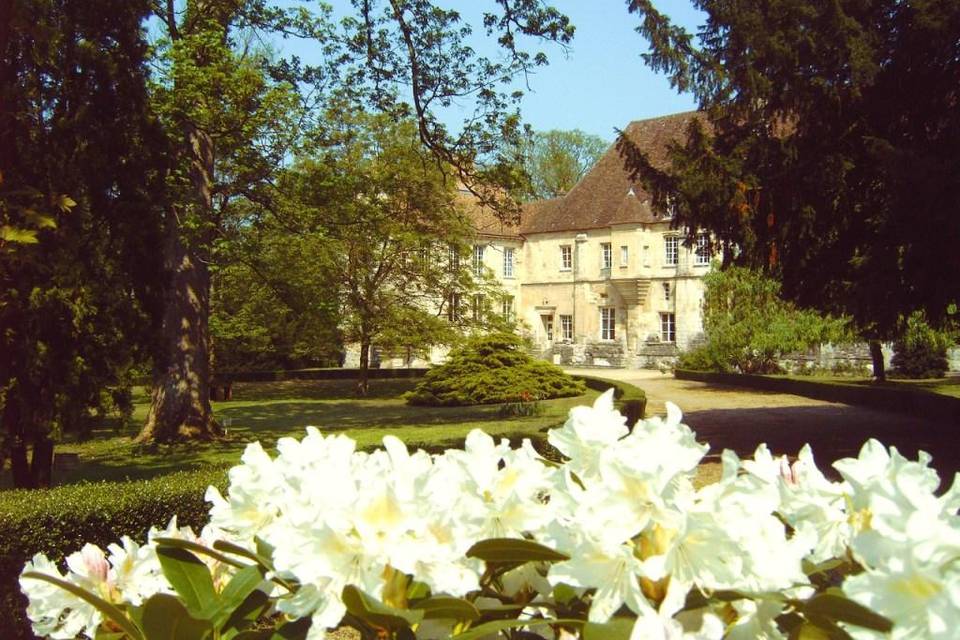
<point x="640" y="538"/>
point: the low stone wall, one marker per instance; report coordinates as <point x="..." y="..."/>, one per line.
<point x="599" y="354"/>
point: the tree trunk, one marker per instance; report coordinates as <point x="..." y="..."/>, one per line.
<point x="41" y="462"/>
<point x="363" y="380"/>
<point x="876" y="355"/>
<point x="180" y="405"/>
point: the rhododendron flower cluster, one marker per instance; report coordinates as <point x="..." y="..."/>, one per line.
<point x="614" y="541"/>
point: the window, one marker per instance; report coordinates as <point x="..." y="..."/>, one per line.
<point x="606" y="255"/>
<point x="671" y="250"/>
<point x="548" y="327"/>
<point x="453" y="258"/>
<point x="566" y="257"/>
<point x="507" y="308"/>
<point x="479" y="306"/>
<point x="423" y="254"/>
<point x="566" y="328"/>
<point x="666" y="292"/>
<point x="507" y="262"/>
<point x="702" y="255"/>
<point x="608" y="323"/>
<point x="668" y="327"/>
<point x="478" y="259"/>
<point x="454" y="310"/>
<point x="624" y="255"/>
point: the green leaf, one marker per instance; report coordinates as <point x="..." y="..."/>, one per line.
<point x="107" y="609"/>
<point x="489" y="628"/>
<point x="246" y="614"/>
<point x="65" y="203"/>
<point x="564" y="593"/>
<point x="513" y="550"/>
<point x="844" y="609"/>
<point x="237" y="550"/>
<point x="615" y="629"/>
<point x="417" y="590"/>
<point x="165" y="618"/>
<point x="191" y="579"/>
<point x="15" y="234"/>
<point x="447" y="608"/>
<point x="375" y="613"/>
<point x="293" y="630"/>
<point x="109" y="635"/>
<point x="808" y="631"/>
<point x="234" y="594"/>
<point x="194" y="547"/>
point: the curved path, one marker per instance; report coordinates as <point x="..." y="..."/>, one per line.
<point x="739" y="418"/>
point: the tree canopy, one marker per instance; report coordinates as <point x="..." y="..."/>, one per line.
<point x="826" y="150"/>
<point x="555" y="160"/>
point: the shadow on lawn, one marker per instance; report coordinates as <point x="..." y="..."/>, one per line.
<point x="833" y="431"/>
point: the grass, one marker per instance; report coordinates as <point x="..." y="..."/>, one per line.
<point x="949" y="386"/>
<point x="271" y="410"/>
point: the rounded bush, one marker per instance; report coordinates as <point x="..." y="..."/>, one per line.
<point x="492" y="369"/>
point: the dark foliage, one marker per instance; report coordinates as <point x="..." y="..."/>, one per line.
<point x="59" y="521"/>
<point x="491" y="369"/>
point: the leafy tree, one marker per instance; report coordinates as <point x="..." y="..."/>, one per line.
<point x="749" y="327"/>
<point x="382" y="220"/>
<point x="236" y="114"/>
<point x="826" y="151"/>
<point x="556" y="160"/>
<point x="921" y="351"/>
<point x="80" y="219"/>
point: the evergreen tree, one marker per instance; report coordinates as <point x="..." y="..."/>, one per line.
<point x="826" y="153"/>
<point x="80" y="163"/>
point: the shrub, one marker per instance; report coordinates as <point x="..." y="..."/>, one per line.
<point x="59" y="521"/>
<point x="749" y="327"/>
<point x="492" y="369"/>
<point x="921" y="352"/>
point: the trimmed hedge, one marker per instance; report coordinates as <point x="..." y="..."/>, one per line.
<point x="631" y="401"/>
<point x="60" y="521"/>
<point x="492" y="369"/>
<point x="316" y="374"/>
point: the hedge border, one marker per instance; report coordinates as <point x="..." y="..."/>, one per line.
<point x="60" y="520"/>
<point x="630" y="400"/>
<point x="909" y="401"/>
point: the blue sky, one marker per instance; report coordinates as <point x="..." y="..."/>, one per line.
<point x="601" y="83"/>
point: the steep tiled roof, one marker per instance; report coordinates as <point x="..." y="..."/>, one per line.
<point x="606" y="195"/>
<point x="484" y="221"/>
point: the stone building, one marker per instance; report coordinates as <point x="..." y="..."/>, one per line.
<point x="598" y="277"/>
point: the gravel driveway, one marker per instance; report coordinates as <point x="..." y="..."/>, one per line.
<point x="740" y="419"/>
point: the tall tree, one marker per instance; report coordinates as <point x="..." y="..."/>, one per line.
<point x="80" y="217"/>
<point x="232" y="112"/>
<point x="556" y="160"/>
<point x="827" y="149"/>
<point x="382" y="217"/>
<point x="232" y="116"/>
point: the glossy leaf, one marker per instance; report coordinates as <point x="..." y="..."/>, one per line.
<point x="375" y="613"/>
<point x="843" y="609"/>
<point x="448" y="608"/>
<point x="490" y="628"/>
<point x="165" y="618"/>
<point x="243" y="583"/>
<point x="194" y="547"/>
<point x="513" y="550"/>
<point x="615" y="629"/>
<point x="107" y="609"/>
<point x="189" y="577"/>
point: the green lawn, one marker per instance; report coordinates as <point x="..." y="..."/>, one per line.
<point x="949" y="386"/>
<point x="268" y="411"/>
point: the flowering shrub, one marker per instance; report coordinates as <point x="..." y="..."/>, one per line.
<point x="616" y="542"/>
